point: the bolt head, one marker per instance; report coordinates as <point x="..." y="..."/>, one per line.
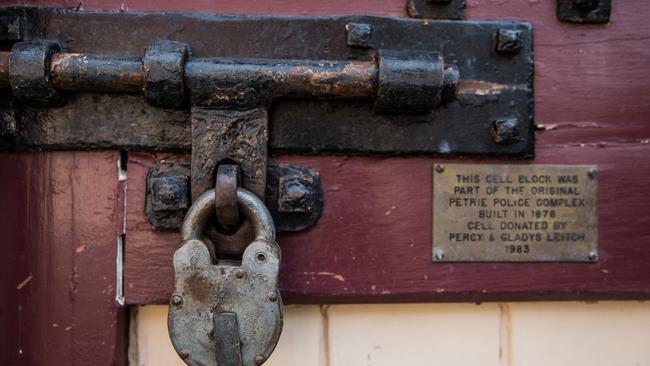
<point x="505" y="131"/>
<point x="592" y="173"/>
<point x="586" y="5"/>
<point x="169" y="192"/>
<point x="239" y="273"/>
<point x="593" y="256"/>
<point x="259" y="359"/>
<point x="450" y="83"/>
<point x="508" y="41"/>
<point x="295" y="195"/>
<point x="184" y="354"/>
<point x="273" y="296"/>
<point x="177" y="300"/>
<point x="438" y="254"/>
<point x="359" y="35"/>
<point x="439" y="168"/>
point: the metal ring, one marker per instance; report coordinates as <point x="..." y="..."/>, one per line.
<point x="252" y="207"/>
<point x="226" y="186"/>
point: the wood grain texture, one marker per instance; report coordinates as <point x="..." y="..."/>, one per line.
<point x="58" y="266"/>
<point x="373" y="242"/>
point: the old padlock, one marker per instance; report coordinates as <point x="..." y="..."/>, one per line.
<point x="225" y="312"/>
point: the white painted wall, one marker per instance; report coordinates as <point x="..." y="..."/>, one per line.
<point x="504" y="334"/>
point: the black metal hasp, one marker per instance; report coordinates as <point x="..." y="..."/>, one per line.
<point x="399" y="81"/>
<point x="325" y="79"/>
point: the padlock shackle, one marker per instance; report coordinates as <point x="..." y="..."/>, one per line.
<point x="252" y="207"/>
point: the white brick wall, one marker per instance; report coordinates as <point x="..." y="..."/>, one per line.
<point x="506" y="334"/>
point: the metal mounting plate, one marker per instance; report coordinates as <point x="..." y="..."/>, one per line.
<point x="496" y="84"/>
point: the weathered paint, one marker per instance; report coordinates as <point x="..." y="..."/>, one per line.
<point x="59" y="228"/>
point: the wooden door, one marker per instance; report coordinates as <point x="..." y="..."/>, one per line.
<point x="66" y="213"/>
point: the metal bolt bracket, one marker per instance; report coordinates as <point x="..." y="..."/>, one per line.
<point x="29" y="74"/>
<point x="436" y="9"/>
<point x="584" y="11"/>
<point x="293" y="195"/>
<point x="163" y="65"/>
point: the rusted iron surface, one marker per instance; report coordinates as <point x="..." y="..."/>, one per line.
<point x="294" y="196"/>
<point x="226" y="184"/>
<point x="229" y="135"/>
<point x="164" y="69"/>
<point x="298" y="125"/>
<point x="168" y="194"/>
<point x="29" y="72"/>
<point x="436" y="9"/>
<point x="584" y="11"/>
<point x="83" y="72"/>
<point x="234" y="84"/>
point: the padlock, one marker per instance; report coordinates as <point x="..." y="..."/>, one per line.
<point x="226" y="312"/>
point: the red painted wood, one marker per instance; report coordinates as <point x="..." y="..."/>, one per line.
<point x="58" y="263"/>
<point x="373" y="242"/>
<point x="590" y="89"/>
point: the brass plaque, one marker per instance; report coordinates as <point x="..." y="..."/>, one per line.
<point x="515" y="213"/>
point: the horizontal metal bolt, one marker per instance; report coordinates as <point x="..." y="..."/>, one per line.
<point x="439" y="168"/>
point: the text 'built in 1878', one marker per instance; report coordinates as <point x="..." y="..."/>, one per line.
<point x="515" y="213"/>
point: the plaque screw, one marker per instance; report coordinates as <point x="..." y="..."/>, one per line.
<point x="239" y="273"/>
<point x="273" y="297"/>
<point x="592" y="173"/>
<point x="184" y="354"/>
<point x="439" y="254"/>
<point x="177" y="300"/>
<point x="593" y="256"/>
<point x="439" y="168"/>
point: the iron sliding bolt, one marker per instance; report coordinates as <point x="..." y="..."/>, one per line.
<point x="398" y="81"/>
